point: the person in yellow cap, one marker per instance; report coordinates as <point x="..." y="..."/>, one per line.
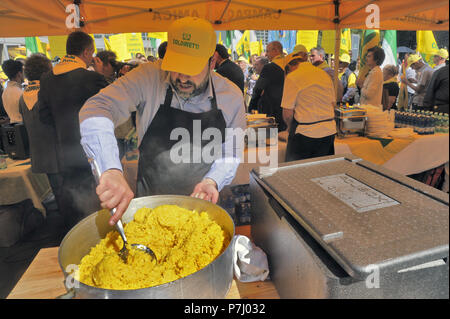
<point x="293" y="59"/>
<point x="308" y="110"/>
<point x="439" y="59"/>
<point x="424" y="73"/>
<point x="243" y="64"/>
<point x="348" y="79"/>
<point x="185" y="116"/>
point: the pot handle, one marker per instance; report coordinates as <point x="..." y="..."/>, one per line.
<point x="70" y="294"/>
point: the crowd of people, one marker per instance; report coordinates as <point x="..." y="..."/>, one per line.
<point x="97" y="100"/>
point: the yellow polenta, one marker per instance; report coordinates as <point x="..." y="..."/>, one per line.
<point x="184" y="242"/>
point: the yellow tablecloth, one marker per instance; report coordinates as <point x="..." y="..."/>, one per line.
<point x="414" y="155"/>
<point x="18" y="183"/>
<point x="372" y="150"/>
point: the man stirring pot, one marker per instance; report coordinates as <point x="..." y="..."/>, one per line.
<point x="180" y="97"/>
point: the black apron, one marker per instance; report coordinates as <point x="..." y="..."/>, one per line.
<point x="157" y="172"/>
<point x="291" y="145"/>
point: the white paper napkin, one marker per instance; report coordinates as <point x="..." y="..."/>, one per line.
<point x="249" y="261"/>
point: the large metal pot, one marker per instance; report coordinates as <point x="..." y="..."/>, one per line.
<point x="213" y="281"/>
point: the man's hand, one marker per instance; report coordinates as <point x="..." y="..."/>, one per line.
<point x="114" y="192"/>
<point x="207" y="190"/>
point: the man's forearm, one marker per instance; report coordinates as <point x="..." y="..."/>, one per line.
<point x="99" y="142"/>
<point x="288" y="116"/>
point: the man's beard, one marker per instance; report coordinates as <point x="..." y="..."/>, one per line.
<point x="196" y="91"/>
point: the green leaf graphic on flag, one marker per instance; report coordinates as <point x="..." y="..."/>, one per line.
<point x="427" y="46"/>
<point x="369" y="39"/>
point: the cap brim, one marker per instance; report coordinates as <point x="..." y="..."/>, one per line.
<point x="184" y="64"/>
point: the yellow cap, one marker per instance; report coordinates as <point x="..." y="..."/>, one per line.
<point x="299" y="48"/>
<point x="299" y="52"/>
<point x="242" y="59"/>
<point x="443" y="53"/>
<point x="20" y="56"/>
<point x="191" y="42"/>
<point x="345" y="58"/>
<point x="413" y="58"/>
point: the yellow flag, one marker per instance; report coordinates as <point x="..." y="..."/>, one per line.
<point x="126" y="45"/>
<point x="42" y="47"/>
<point x="220" y="39"/>
<point x="118" y="44"/>
<point x="158" y="35"/>
<point x="243" y="45"/>
<point x="93" y="39"/>
<point x="346" y="41"/>
<point x="402" y="103"/>
<point x="427" y="46"/>
<point x="328" y="41"/>
<point x="308" y="38"/>
<point x="57" y="45"/>
<point x="135" y="44"/>
<point x="107" y="44"/>
<point x="255" y="48"/>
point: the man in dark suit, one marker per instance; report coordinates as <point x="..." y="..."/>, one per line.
<point x="227" y="68"/>
<point x="62" y="93"/>
<point x="436" y="98"/>
<point x="268" y="89"/>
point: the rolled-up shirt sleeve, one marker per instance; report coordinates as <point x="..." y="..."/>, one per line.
<point x="99" y="142"/>
<point x="101" y="113"/>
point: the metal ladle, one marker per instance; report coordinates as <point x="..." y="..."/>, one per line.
<point x="123" y="253"/>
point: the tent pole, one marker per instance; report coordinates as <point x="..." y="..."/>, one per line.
<point x="337" y="47"/>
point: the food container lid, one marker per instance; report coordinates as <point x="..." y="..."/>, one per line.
<point x="366" y="217"/>
<point x="350" y="112"/>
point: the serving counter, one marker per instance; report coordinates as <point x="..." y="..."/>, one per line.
<point x="408" y="156"/>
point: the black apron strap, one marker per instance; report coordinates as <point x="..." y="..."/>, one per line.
<point x="311" y="123"/>
<point x="169" y="95"/>
<point x="214" y="99"/>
